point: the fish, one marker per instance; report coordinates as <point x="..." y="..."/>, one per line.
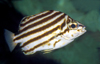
<point x="45" y="31"/>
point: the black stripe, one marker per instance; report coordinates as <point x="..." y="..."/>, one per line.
<point x="41" y="28"/>
<point x="63" y="24"/>
<point x="56" y="42"/>
<point x="39" y="37"/>
<point x="24" y="19"/>
<point x="68" y="21"/>
<point x="67" y="29"/>
<point x="37" y="17"/>
<point x="39" y="22"/>
<point x="45" y="42"/>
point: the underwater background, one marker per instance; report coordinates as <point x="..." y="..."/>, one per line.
<point x="83" y="50"/>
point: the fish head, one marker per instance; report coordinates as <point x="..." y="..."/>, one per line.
<point x="74" y="29"/>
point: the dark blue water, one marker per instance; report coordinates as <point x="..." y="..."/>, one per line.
<point x="84" y="50"/>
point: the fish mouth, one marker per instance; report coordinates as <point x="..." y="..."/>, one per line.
<point x="83" y="29"/>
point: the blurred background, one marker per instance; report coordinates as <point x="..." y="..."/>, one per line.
<point x="84" y="50"/>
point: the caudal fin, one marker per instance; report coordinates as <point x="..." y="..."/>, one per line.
<point x="9" y="39"/>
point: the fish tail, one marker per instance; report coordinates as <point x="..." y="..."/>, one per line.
<point x="9" y="39"/>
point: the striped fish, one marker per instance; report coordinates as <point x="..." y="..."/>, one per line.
<point x="45" y="31"/>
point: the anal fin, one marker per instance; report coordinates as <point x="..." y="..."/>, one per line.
<point x="47" y="51"/>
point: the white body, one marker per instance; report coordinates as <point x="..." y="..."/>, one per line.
<point x="48" y="30"/>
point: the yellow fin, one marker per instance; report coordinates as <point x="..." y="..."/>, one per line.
<point x="47" y="51"/>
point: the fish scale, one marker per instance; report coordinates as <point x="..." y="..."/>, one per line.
<point x="46" y="31"/>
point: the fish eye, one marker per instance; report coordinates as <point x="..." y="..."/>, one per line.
<point x="73" y="25"/>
